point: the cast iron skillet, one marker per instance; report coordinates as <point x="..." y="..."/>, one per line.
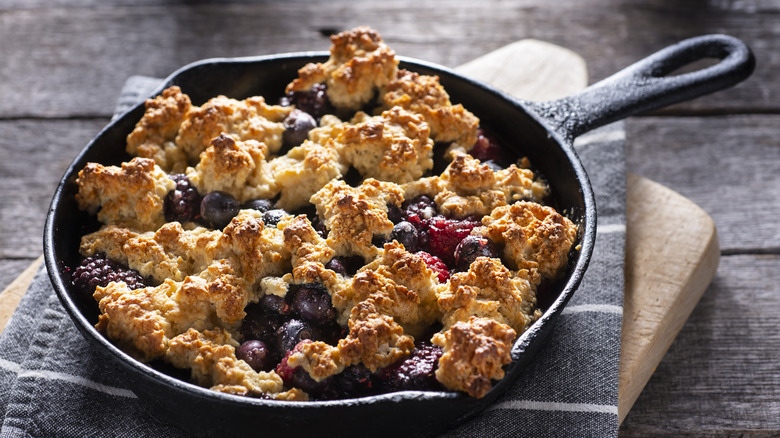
<point x="541" y="131"/>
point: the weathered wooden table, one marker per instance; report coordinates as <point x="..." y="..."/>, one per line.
<point x="62" y="64"/>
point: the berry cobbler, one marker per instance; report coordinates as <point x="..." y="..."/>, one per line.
<point x="362" y="235"/>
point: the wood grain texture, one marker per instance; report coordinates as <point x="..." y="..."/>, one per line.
<point x="86" y="60"/>
<point x="12" y="295"/>
<point x="672" y="254"/>
<point x="64" y="61"/>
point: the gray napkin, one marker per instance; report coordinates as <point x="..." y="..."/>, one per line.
<point x="53" y="383"/>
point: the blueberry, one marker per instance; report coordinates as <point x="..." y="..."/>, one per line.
<point x="218" y="208"/>
<point x="313" y="304"/>
<point x="261" y="205"/>
<point x="272" y="217"/>
<point x="406" y="234"/>
<point x="346" y="266"/>
<point x="472" y="247"/>
<point x="274" y="305"/>
<point x="493" y="165"/>
<point x="292" y="332"/>
<point x="296" y="127"/>
<point x="260" y="324"/>
<point x="256" y="354"/>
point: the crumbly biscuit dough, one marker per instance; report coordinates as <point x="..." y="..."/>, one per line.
<point x="359" y="64"/>
<point x="248" y="119"/>
<point x="533" y="235"/>
<point x="130" y="195"/>
<point x="376" y="340"/>
<point x="394" y="146"/>
<point x="475" y="352"/>
<point x="424" y="95"/>
<point x="303" y="171"/>
<point x="211" y="356"/>
<point x="154" y="135"/>
<point x="235" y="167"/>
<point x="203" y="279"/>
<point x="355" y="215"/>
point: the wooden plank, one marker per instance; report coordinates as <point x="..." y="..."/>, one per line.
<point x="672" y="253"/>
<point x="87" y="52"/>
<point x="728" y="165"/>
<point x="12" y="295"/>
<point x="720" y="376"/>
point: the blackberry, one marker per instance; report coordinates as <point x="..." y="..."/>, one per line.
<point x="182" y="204"/>
<point x="354" y="381"/>
<point x="314" y="101"/>
<point x="421" y="206"/>
<point x="98" y="270"/>
<point x="416" y="372"/>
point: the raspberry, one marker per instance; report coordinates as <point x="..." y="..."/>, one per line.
<point x="435" y="264"/>
<point x="182" y="204"/>
<point x="99" y="271"/>
<point x="417" y="372"/>
<point x="445" y="235"/>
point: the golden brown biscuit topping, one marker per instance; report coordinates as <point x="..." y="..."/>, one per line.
<point x="286" y="255"/>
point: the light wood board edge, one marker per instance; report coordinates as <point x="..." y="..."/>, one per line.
<point x="672" y="254"/>
<point x="12" y="295"/>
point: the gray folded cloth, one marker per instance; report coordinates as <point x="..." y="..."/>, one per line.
<point x="54" y="384"/>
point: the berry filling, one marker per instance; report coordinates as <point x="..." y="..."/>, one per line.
<point x="100" y="271"/>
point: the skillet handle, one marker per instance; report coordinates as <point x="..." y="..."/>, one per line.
<point x="645" y="85"/>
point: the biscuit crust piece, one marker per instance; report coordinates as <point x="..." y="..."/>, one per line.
<point x="153" y="136"/>
<point x="359" y="64"/>
<point x="130" y="195"/>
<point x="475" y="352"/>
<point x="424" y="95"/>
<point x="533" y="235"/>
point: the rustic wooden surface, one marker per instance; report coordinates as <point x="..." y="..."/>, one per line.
<point x="667" y="237"/>
<point x="62" y="63"/>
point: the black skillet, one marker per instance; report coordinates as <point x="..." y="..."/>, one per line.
<point x="541" y="131"/>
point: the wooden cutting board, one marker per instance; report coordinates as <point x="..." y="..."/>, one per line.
<point x="672" y="249"/>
